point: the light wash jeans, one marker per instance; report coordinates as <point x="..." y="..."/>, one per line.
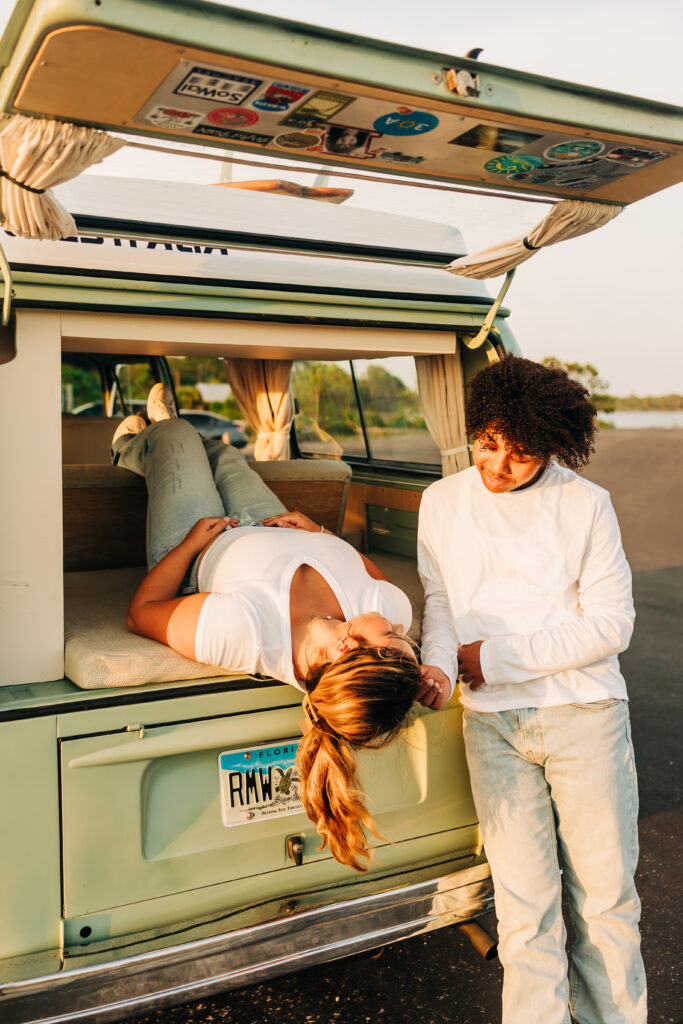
<point x="188" y="478"/>
<point x="557" y="787"/>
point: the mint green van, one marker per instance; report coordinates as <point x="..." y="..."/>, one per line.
<point x="134" y="877"/>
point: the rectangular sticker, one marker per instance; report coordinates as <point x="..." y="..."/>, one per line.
<point x="258" y="783"/>
<point x="279" y="97"/>
<point x="495" y="139"/>
<point x="217" y="86"/>
<point x="232" y="133"/>
<point x="321" y="106"/>
<point x="172" y="117"/>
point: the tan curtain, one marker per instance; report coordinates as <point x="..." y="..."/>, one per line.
<point x="262" y="389"/>
<point x="442" y="397"/>
<point x="567" y="219"/>
<point x="42" y="154"/>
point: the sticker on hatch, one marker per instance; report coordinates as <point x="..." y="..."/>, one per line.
<point x="258" y="783"/>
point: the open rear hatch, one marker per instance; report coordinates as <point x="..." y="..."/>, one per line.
<point x="232" y="79"/>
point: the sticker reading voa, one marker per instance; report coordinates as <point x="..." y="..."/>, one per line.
<point x="258" y="783"/>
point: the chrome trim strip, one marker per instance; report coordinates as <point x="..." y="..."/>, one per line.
<point x="116" y="989"/>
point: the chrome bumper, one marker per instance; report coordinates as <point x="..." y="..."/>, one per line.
<point x="115" y="989"/>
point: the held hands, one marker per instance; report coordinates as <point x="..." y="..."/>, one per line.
<point x="469" y="664"/>
<point x="205" y="530"/>
<point x="293" y="521"/>
<point x="435" y="689"/>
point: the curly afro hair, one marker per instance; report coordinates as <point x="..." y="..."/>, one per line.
<point x="539" y="410"/>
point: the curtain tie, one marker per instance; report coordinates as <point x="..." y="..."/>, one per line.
<point x="456" y="451"/>
<point x="527" y="245"/>
<point x="21" y="184"/>
<point x="284" y="433"/>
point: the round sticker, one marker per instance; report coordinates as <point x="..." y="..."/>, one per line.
<point x="232" y="117"/>
<point x="411" y="123"/>
<point x="512" y="164"/>
<point x="570" y="152"/>
<point x="297" y="140"/>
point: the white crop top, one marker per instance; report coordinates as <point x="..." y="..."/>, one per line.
<point x="244" y="624"/>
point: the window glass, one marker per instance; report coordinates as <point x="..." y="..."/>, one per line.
<point x="205" y="399"/>
<point x="81" y="386"/>
<point x="391" y="409"/>
<point x="328" y="422"/>
<point x="134" y="381"/>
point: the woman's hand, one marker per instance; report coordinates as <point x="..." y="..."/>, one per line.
<point x="435" y="689"/>
<point x="204" y="531"/>
<point x="293" y="521"/>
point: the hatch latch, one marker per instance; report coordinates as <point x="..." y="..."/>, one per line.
<point x="295" y="849"/>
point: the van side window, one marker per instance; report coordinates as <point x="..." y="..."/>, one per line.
<point x="81" y="386"/>
<point x="368" y="409"/>
<point x="391" y="409"/>
<point x="133" y="383"/>
<point x="327" y="423"/>
<point x="205" y="399"/>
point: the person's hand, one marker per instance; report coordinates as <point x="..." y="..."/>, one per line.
<point x="293" y="521"/>
<point x="205" y="530"/>
<point x="469" y="664"/>
<point x="435" y="688"/>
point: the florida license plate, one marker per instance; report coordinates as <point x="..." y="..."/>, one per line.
<point x="259" y="782"/>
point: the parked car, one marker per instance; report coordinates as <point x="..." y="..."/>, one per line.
<point x="215" y="427"/>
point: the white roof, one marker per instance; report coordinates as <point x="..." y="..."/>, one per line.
<point x="119" y="204"/>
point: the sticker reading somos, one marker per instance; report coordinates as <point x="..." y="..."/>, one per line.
<point x="258" y="783"/>
<point x="217" y="85"/>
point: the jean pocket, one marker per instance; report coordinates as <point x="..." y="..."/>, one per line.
<point x="599" y="705"/>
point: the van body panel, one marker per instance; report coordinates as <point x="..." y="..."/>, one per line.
<point x="31" y="904"/>
<point x="158" y="790"/>
<point x="31" y="599"/>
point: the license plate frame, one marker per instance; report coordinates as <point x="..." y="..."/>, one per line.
<point x="259" y="783"/>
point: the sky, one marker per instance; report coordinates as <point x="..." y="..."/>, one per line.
<point x="610" y="298"/>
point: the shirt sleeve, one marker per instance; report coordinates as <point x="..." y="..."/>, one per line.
<point x="439" y="640"/>
<point x="227" y="635"/>
<point x="601" y="627"/>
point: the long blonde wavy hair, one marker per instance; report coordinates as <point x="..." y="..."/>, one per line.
<point x="360" y="700"/>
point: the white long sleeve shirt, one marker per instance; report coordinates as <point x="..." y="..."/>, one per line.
<point x="539" y="575"/>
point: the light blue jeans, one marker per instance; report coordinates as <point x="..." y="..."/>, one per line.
<point x="555" y="789"/>
<point x="188" y="478"/>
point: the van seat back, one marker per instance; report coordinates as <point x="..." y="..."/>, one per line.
<point x="88" y="438"/>
<point x="105" y="507"/>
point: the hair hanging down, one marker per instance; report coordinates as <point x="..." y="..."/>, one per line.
<point x="539" y="410"/>
<point x="360" y="700"/>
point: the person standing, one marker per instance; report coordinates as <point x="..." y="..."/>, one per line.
<point x="528" y="593"/>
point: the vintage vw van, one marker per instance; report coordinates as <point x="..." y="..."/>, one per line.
<point x="144" y="862"/>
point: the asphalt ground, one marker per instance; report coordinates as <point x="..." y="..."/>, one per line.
<point x="439" y="978"/>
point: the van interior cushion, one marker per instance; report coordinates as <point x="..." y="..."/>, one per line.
<point x="100" y="650"/>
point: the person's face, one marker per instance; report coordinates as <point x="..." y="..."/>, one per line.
<point x="502" y="470"/>
<point x="334" y="638"/>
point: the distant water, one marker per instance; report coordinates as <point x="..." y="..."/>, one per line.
<point x="644" y="420"/>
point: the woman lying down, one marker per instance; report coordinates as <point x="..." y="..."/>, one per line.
<point x="295" y="603"/>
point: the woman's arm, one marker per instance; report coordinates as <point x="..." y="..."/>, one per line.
<point x="155" y="611"/>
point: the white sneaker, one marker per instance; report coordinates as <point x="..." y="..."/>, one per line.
<point x="131" y="425"/>
<point x="160" y="404"/>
